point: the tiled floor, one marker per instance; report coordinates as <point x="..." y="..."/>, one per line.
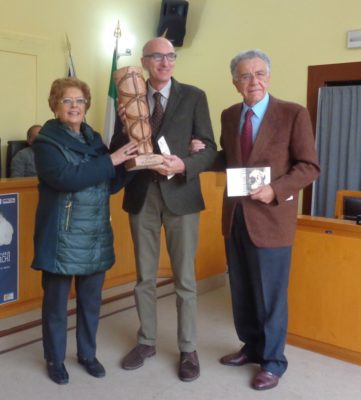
<point x="310" y="376"/>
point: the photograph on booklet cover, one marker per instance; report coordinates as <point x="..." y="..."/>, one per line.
<point x="242" y="181"/>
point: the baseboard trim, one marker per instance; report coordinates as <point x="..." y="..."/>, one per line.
<point x="324" y="348"/>
<point x="211" y="283"/>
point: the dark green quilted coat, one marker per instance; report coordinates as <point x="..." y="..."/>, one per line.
<point x="73" y="234"/>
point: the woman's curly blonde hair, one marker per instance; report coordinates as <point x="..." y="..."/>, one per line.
<point x="59" y="86"/>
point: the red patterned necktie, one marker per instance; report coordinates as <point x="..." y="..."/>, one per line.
<point x="157" y="116"/>
<point x="246" y="136"/>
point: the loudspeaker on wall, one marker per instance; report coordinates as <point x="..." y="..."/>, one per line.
<point x="172" y="21"/>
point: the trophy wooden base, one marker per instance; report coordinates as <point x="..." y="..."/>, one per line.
<point x="143" y="161"/>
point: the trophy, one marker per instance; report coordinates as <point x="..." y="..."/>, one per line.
<point x="132" y="92"/>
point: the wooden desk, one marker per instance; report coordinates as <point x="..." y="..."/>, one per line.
<point x="324" y="293"/>
<point x="210" y="258"/>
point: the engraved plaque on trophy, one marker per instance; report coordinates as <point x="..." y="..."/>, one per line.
<point x="132" y="92"/>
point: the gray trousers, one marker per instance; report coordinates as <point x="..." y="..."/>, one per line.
<point x="181" y="234"/>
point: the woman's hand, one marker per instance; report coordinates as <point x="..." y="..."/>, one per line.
<point x="125" y="153"/>
<point x="196" y="146"/>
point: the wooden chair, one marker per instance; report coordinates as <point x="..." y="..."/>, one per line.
<point x="348" y="204"/>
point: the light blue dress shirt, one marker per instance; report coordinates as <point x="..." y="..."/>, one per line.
<point x="165" y="93"/>
<point x="259" y="110"/>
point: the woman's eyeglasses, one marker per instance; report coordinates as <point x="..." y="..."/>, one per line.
<point x="68" y="101"/>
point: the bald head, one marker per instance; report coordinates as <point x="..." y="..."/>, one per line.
<point x="159" y="60"/>
<point x="156" y="43"/>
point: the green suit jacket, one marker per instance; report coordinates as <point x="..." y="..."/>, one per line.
<point x="186" y="117"/>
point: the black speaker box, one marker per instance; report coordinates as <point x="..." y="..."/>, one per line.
<point x="172" y="21"/>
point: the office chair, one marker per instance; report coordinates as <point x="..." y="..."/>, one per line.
<point x="351" y="207"/>
<point x="348" y="204"/>
<point x="13" y="147"/>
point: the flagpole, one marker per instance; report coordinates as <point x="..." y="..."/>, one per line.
<point x="71" y="71"/>
<point x="117" y="35"/>
<point x="112" y="101"/>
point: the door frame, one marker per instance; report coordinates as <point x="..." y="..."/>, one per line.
<point x="319" y="76"/>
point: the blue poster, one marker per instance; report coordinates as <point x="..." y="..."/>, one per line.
<point x="9" y="274"/>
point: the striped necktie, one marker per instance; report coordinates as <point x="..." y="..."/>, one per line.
<point x="157" y="116"/>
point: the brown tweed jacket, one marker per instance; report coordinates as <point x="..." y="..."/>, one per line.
<point x="285" y="142"/>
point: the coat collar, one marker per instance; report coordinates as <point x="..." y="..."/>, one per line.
<point x="267" y="129"/>
<point x="57" y="131"/>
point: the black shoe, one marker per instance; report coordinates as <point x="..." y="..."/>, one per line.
<point x="57" y="373"/>
<point x="93" y="367"/>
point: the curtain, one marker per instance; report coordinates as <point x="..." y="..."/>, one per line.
<point x="338" y="141"/>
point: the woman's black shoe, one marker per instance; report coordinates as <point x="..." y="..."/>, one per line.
<point x="57" y="373"/>
<point x="93" y="367"/>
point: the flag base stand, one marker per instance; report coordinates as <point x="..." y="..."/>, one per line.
<point x="143" y="161"/>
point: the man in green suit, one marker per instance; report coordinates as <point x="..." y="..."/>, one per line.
<point x="169" y="196"/>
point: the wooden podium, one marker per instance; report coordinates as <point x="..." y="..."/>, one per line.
<point x="324" y="293"/>
<point x="210" y="258"/>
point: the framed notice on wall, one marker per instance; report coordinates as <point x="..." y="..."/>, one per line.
<point x="9" y="276"/>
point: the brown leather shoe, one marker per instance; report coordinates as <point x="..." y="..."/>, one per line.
<point x="189" y="366"/>
<point x="265" y="380"/>
<point x="235" y="359"/>
<point x="135" y="358"/>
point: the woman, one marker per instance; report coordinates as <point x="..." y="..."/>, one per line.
<point x="73" y="235"/>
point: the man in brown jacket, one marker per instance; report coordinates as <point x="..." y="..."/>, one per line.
<point x="259" y="228"/>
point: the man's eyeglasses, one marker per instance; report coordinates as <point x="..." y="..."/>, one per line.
<point x="259" y="75"/>
<point x="68" y="101"/>
<point x="160" y="56"/>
